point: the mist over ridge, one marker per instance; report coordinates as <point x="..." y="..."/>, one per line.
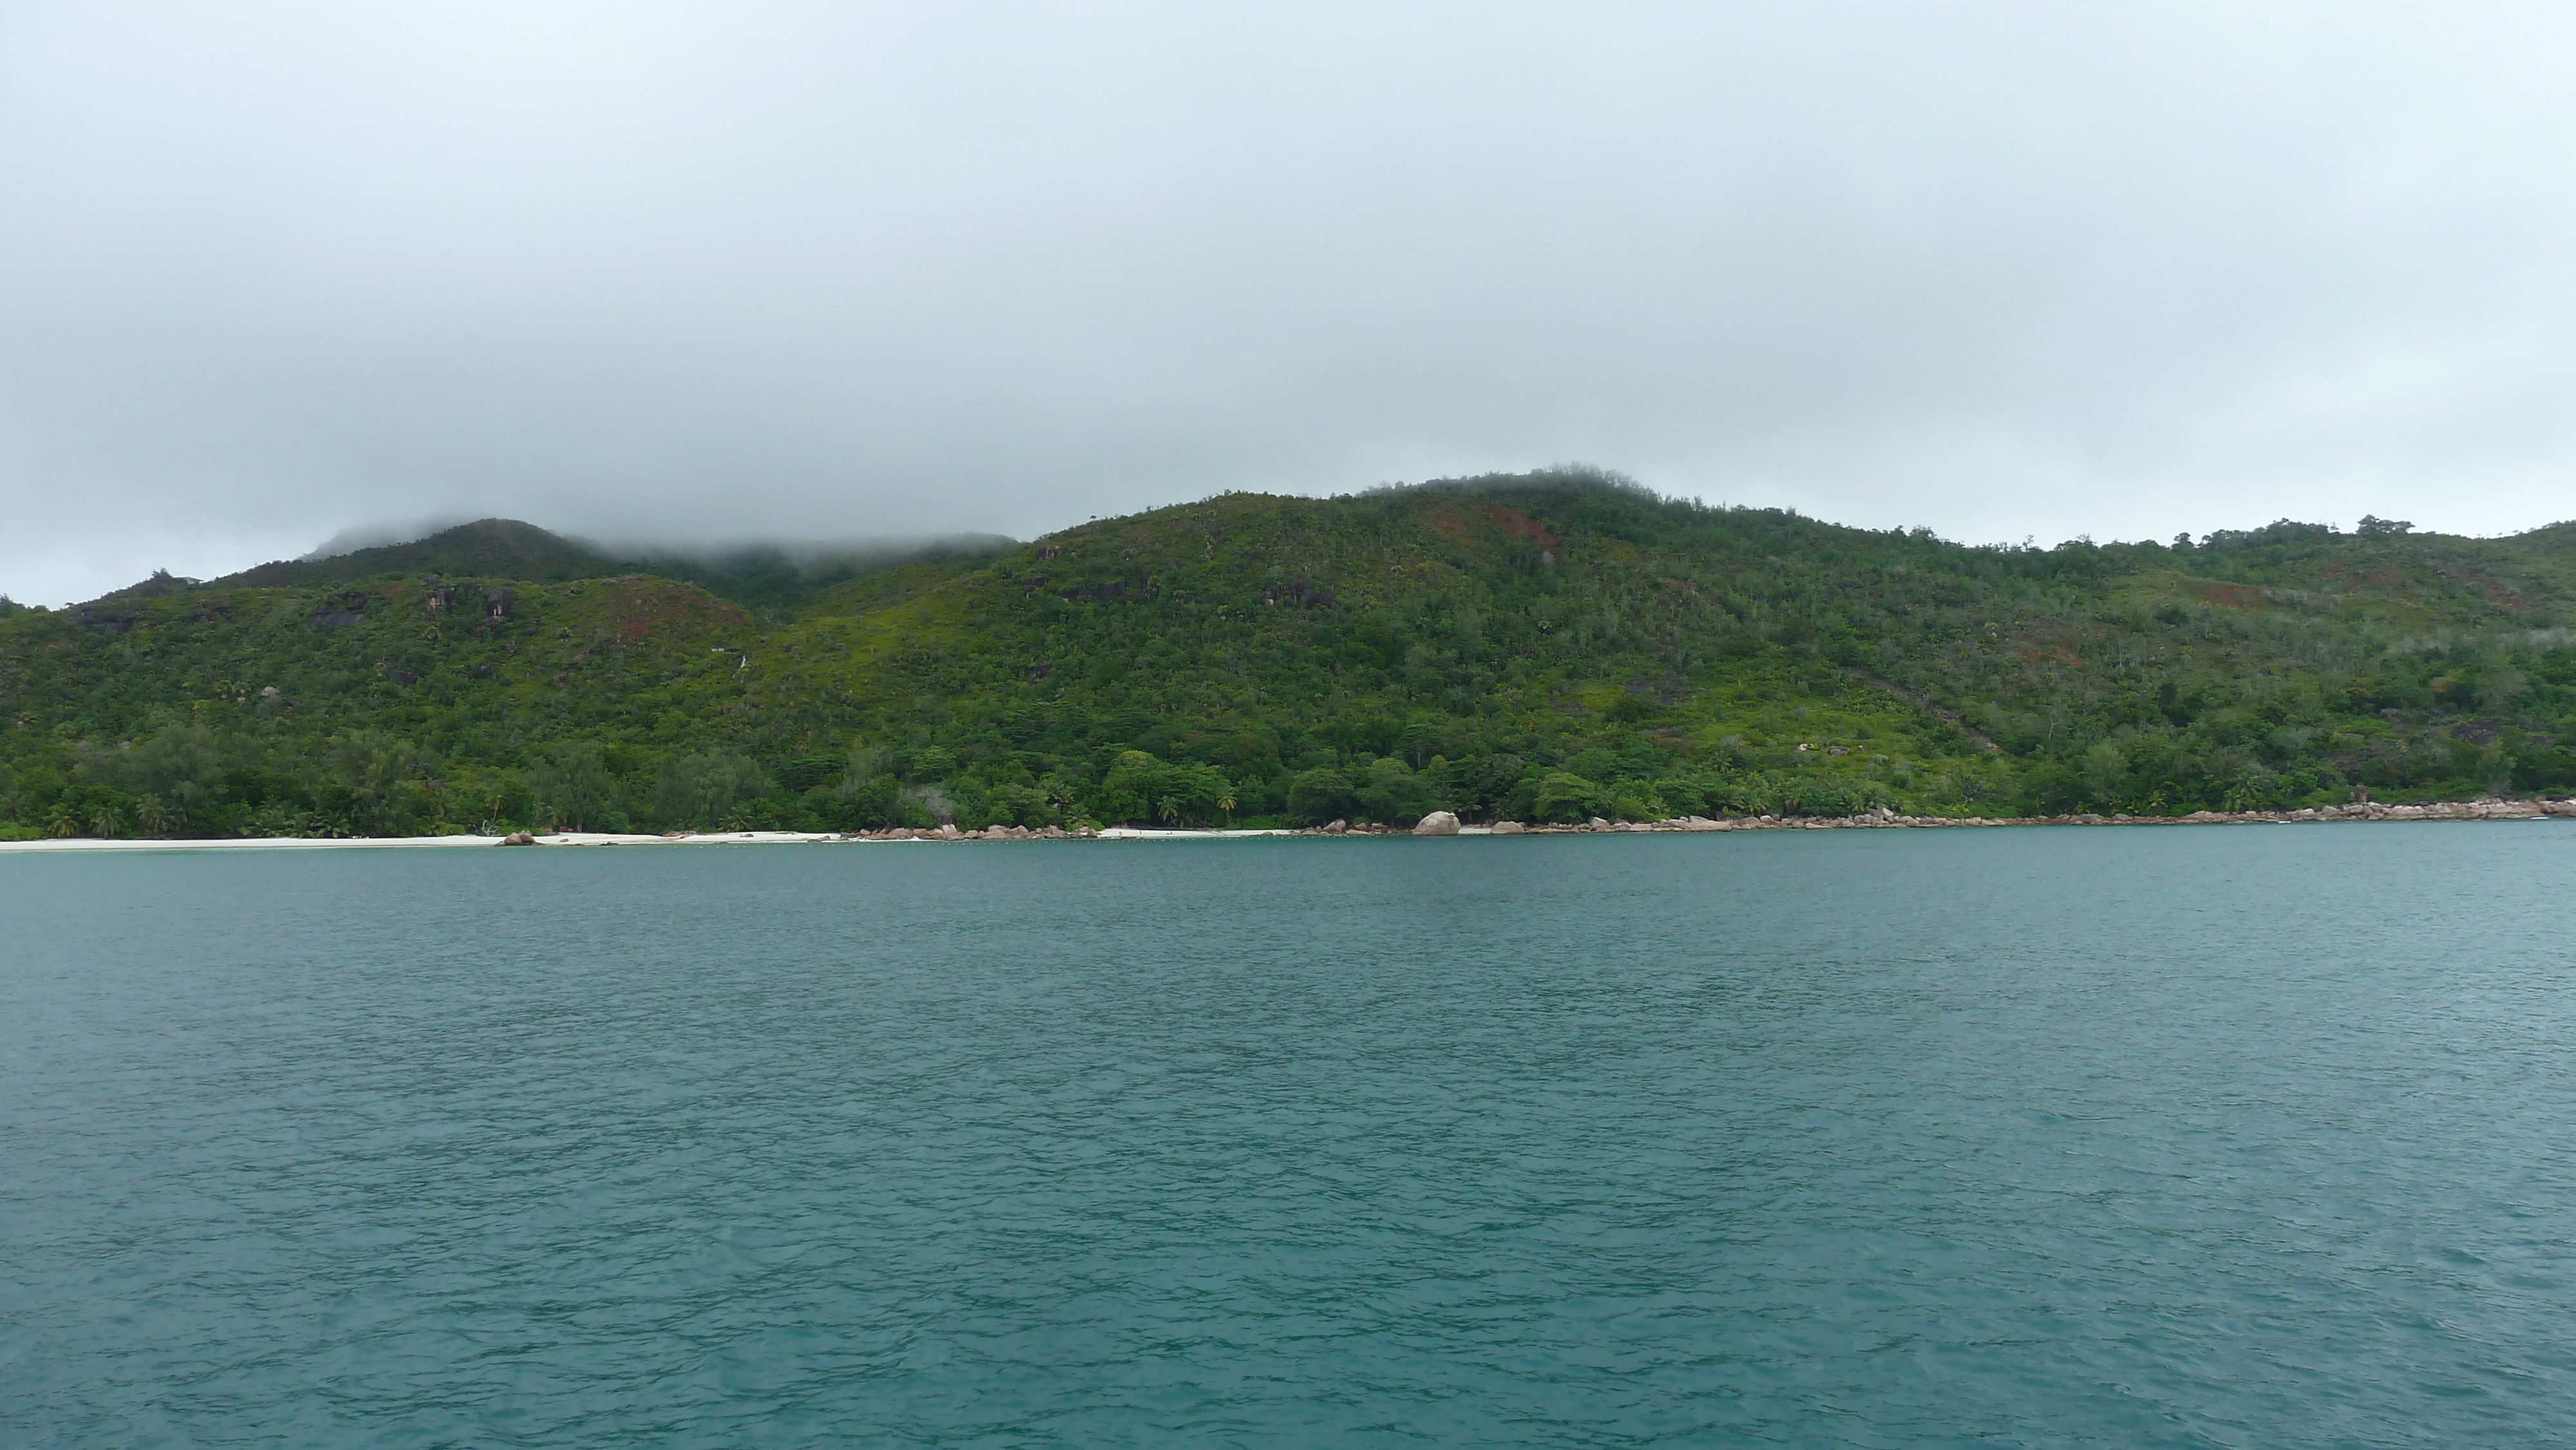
<point x="811" y="270"/>
<point x="754" y="573"/>
<point x="785" y="567"/>
<point x="794" y="550"/>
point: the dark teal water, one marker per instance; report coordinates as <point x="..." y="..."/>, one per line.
<point x="2223" y="1136"/>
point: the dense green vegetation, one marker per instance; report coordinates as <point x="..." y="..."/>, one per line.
<point x="1542" y="646"/>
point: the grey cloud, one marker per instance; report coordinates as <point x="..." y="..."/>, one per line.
<point x="269" y="274"/>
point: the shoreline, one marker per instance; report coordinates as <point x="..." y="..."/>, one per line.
<point x="2486" y="809"/>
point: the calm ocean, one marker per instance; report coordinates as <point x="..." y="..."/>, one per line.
<point x="2239" y="1136"/>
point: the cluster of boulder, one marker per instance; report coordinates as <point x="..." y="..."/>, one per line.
<point x="990" y="833"/>
<point x="1445" y="823"/>
<point x="1438" y="823"/>
<point x="2485" y="808"/>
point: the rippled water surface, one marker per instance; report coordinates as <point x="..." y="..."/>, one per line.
<point x="2223" y="1136"/>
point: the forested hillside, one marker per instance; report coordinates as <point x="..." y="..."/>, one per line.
<point x="1542" y="646"/>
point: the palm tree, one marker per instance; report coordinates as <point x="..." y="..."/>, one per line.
<point x="62" y="825"/>
<point x="1225" y="803"/>
<point x="1171" y="811"/>
<point x="105" y="822"/>
<point x="153" y="816"/>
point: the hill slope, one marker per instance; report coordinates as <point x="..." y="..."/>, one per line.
<point x="1545" y="645"/>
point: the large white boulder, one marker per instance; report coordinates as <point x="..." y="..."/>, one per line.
<point x="1438" y="823"/>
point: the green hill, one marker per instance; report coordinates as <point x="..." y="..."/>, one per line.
<point x="1551" y="645"/>
<point x="764" y="578"/>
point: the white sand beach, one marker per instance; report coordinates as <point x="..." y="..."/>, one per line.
<point x="351" y="843"/>
<point x="590" y="838"/>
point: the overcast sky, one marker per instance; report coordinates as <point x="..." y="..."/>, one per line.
<point x="733" y="270"/>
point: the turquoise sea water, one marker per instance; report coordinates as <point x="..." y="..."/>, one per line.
<point x="2220" y="1136"/>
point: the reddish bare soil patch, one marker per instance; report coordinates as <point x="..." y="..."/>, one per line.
<point x="2235" y="596"/>
<point x="1458" y="521"/>
<point x="641" y="610"/>
<point x="2497" y="594"/>
<point x="2056" y="653"/>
